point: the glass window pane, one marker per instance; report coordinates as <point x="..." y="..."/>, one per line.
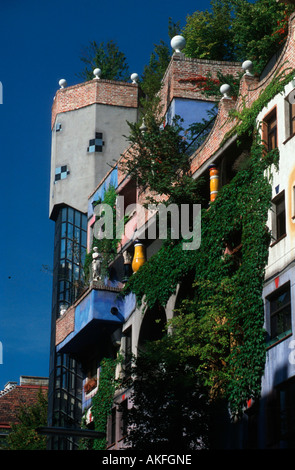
<point x="280" y="311"/>
<point x="64" y="214"/>
<point x="70" y="231"/>
<point x="63" y="248"/>
<point x="77" y="234"/>
<point x="83" y="238"/>
<point x="63" y="230"/>
<point x="76" y="272"/>
<point x="70" y="215"/>
<point x="77" y="218"/>
<point x="84" y="222"/>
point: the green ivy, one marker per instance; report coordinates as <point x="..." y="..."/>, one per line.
<point x="246" y="118"/>
<point x="225" y="308"/>
<point x="107" y="247"/>
<point x="103" y="399"/>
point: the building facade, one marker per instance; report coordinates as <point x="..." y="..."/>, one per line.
<point x="14" y="396"/>
<point x="98" y="322"/>
<point x="88" y="124"/>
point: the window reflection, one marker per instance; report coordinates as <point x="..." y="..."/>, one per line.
<point x="72" y="251"/>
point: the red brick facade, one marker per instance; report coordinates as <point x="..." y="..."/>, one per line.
<point x="180" y="78"/>
<point x="95" y="91"/>
<point x="65" y="325"/>
<point x="13" y="399"/>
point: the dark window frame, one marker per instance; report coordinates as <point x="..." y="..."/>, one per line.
<point x="279" y="311"/>
<point x="279" y="226"/>
<point x="270" y="129"/>
<point x="292" y="119"/>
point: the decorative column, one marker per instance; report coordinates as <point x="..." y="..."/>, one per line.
<point x="214" y="181"/>
<point x="139" y="256"/>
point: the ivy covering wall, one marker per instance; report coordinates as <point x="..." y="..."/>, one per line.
<point x="221" y="322"/>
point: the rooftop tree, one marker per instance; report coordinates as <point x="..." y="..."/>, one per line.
<point x="108" y="58"/>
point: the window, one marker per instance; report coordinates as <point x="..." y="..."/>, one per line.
<point x="124" y="411"/>
<point x="270" y="130"/>
<point x="292" y="118"/>
<point x="61" y="172"/>
<point x="113" y="426"/>
<point x="279" y="216"/>
<point x="290" y="115"/>
<point x="96" y="144"/>
<point x="128" y="349"/>
<point x="280" y="313"/>
<point x="71" y="253"/>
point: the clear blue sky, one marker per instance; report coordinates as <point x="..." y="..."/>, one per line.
<point x="40" y="43"/>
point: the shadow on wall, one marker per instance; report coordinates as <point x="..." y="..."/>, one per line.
<point x="153" y="326"/>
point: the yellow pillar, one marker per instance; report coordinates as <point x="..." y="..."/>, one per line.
<point x="214" y="181"/>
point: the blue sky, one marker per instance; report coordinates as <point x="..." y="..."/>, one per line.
<point x="40" y="43"/>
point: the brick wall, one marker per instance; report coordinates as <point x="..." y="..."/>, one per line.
<point x="14" y="399"/>
<point x="179" y="79"/>
<point x="65" y="325"/>
<point x="95" y="91"/>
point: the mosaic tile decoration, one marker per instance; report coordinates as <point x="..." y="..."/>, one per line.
<point x="61" y="172"/>
<point x="95" y="145"/>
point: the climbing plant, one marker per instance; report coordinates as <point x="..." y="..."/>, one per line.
<point x="222" y="321"/>
<point x="103" y="399"/>
<point x="108" y="242"/>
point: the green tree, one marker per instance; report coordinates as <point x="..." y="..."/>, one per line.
<point x="170" y="408"/>
<point x="207" y="33"/>
<point x="159" y="60"/>
<point x="154" y="71"/>
<point x="158" y="159"/>
<point x="238" y="30"/>
<point x="23" y="435"/>
<point x="108" y="58"/>
<point x="259" y="29"/>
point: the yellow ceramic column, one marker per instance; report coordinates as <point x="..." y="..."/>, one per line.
<point x="214" y="181"/>
<point x="139" y="256"/>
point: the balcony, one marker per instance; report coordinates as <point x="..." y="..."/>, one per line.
<point x="95" y="316"/>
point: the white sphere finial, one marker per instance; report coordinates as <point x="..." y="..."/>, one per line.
<point x="247" y="66"/>
<point x="134" y="77"/>
<point x="97" y="74"/>
<point x="178" y="43"/>
<point x="62" y="83"/>
<point x="225" y="90"/>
